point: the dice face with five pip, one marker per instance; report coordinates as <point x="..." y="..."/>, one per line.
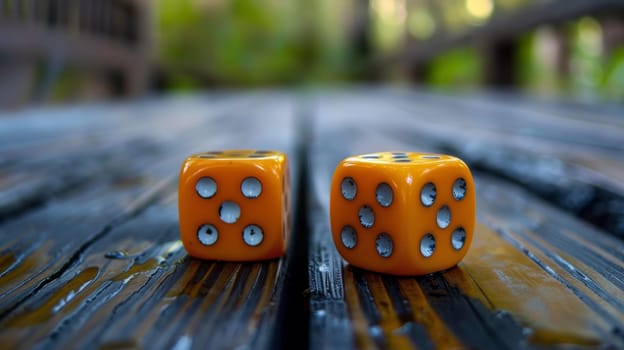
<point x="233" y="205"/>
<point x="402" y="213"/>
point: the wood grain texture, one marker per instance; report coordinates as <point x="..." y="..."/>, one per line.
<point x="103" y="264"/>
<point x="90" y="253"/>
<point x="534" y="277"/>
<point x="574" y="162"/>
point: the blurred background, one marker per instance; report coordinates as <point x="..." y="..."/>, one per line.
<point x="61" y="51"/>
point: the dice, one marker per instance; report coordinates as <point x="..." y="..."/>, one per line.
<point x="233" y="205"/>
<point x="402" y="213"/>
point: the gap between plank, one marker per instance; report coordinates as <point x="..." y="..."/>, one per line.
<point x="291" y="329"/>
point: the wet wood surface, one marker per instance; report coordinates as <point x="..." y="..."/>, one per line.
<point x="98" y="261"/>
<point x="91" y="257"/>
<point x="536" y="276"/>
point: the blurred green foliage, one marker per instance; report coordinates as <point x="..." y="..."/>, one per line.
<point x="460" y="68"/>
<point x="247" y="42"/>
<point x="535" y="73"/>
<point x="586" y="57"/>
<point x="591" y="71"/>
<point x="612" y="84"/>
<point x="204" y="39"/>
<point x="595" y="72"/>
<point x="251" y="43"/>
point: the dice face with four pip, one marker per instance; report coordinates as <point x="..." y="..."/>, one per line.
<point x="233" y="205"/>
<point x="402" y="213"/>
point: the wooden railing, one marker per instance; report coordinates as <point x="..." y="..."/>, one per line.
<point x="108" y="36"/>
<point x="497" y="37"/>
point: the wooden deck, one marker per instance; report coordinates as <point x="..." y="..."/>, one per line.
<point x="91" y="257"/>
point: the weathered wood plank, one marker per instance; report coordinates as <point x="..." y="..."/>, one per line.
<point x="120" y="277"/>
<point x="534" y="277"/>
<point x="106" y="197"/>
<point x="575" y="163"/>
<point x="100" y="263"/>
<point x="40" y="153"/>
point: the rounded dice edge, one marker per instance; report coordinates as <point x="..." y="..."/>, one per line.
<point x="190" y="171"/>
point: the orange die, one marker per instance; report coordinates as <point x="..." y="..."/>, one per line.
<point x="233" y="205"/>
<point x="402" y="213"/>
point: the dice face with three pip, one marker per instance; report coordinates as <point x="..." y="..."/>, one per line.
<point x="233" y="205"/>
<point x="402" y="213"/>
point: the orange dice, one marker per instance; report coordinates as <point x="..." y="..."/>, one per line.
<point x="402" y="213"/>
<point x="233" y="205"/>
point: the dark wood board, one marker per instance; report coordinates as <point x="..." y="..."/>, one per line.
<point x="573" y="160"/>
<point x="534" y="277"/>
<point x="104" y="264"/>
<point x="91" y="257"/>
<point x="35" y="145"/>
